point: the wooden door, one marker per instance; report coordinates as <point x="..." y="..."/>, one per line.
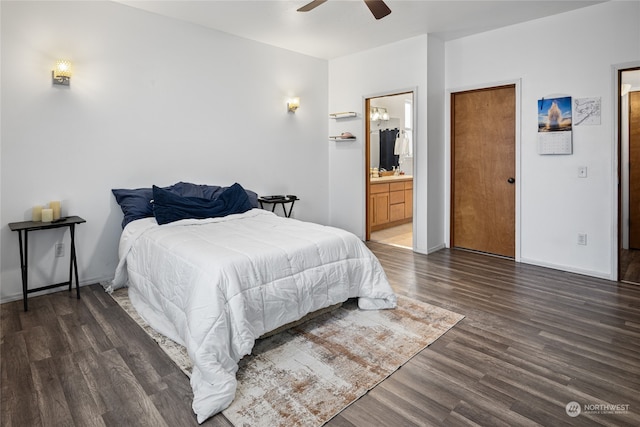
<point x="483" y="170"/>
<point x="634" y="170"/>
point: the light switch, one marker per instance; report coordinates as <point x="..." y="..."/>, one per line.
<point x="582" y="171"/>
<point x="582" y="239"/>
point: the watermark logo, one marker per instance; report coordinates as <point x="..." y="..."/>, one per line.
<point x="573" y="409"/>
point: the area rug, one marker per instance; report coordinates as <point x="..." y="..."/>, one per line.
<point x="309" y="373"/>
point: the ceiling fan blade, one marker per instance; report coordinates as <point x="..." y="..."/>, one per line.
<point x="311" y="6"/>
<point x="378" y="8"/>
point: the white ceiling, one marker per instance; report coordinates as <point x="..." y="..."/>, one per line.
<point x="341" y="27"/>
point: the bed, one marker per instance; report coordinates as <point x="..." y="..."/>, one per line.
<point x="216" y="284"/>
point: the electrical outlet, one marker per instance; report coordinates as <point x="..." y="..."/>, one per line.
<point x="582" y="172"/>
<point x="582" y="239"/>
<point x="59" y="249"/>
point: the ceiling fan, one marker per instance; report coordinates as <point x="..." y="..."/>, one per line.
<point x="377" y="7"/>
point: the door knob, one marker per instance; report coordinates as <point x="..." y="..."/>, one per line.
<point x="511" y="180"/>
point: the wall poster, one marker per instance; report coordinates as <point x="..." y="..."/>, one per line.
<point x="587" y="111"/>
<point x="555" y="126"/>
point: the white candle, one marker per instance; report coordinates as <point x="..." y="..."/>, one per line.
<point x="36" y="214"/>
<point x="47" y="215"/>
<point x="55" y="206"/>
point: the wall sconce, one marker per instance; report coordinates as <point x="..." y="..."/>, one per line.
<point x="293" y="104"/>
<point x="61" y="74"/>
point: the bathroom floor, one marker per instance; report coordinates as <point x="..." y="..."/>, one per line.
<point x="401" y="235"/>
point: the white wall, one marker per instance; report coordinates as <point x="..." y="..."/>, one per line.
<point x="572" y="53"/>
<point x="155" y="101"/>
<point x="152" y="101"/>
<point x="392" y="68"/>
<point x="437" y="166"/>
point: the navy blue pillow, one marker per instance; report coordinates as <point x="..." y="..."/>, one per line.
<point x="253" y="198"/>
<point x="187" y="189"/>
<point x="169" y="207"/>
<point x="135" y="203"/>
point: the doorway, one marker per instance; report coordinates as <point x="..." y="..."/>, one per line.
<point x="390" y="135"/>
<point x="483" y="142"/>
<point x="629" y="170"/>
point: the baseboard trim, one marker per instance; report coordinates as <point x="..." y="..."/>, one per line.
<point x="436" y="248"/>
<point x="18" y="296"/>
<point x="568" y="269"/>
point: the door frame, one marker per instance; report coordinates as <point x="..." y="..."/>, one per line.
<point x="616" y="167"/>
<point x="518" y="155"/>
<point x="366" y="100"/>
<point x="632" y="213"/>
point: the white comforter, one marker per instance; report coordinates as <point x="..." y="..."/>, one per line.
<point x="216" y="285"/>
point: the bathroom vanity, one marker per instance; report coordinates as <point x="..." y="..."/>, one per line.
<point x="390" y="201"/>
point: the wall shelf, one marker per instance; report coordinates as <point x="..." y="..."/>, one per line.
<point x="340" y="138"/>
<point x="343" y="115"/>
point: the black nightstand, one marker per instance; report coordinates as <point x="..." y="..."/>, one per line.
<point x="27" y="226"/>
<point x="282" y="200"/>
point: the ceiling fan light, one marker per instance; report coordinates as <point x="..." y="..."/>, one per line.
<point x="377" y="7"/>
<point x="310" y="6"/>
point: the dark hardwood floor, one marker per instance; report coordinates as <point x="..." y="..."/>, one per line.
<point x="533" y="340"/>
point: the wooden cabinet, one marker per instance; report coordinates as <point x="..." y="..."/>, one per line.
<point x="390" y="204"/>
<point x="396" y="201"/>
<point x="379" y="204"/>
<point x="408" y="199"/>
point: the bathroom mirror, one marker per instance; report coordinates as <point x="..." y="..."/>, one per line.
<point x="390" y="124"/>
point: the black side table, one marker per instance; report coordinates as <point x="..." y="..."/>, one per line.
<point x="282" y="200"/>
<point x="27" y="226"/>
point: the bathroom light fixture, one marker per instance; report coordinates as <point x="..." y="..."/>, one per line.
<point x="61" y="74"/>
<point x="378" y="113"/>
<point x="293" y="104"/>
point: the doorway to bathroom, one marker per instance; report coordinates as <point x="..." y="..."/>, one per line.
<point x="390" y="138"/>
<point x="629" y="175"/>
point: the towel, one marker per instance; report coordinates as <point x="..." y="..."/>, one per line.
<point x="402" y="147"/>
